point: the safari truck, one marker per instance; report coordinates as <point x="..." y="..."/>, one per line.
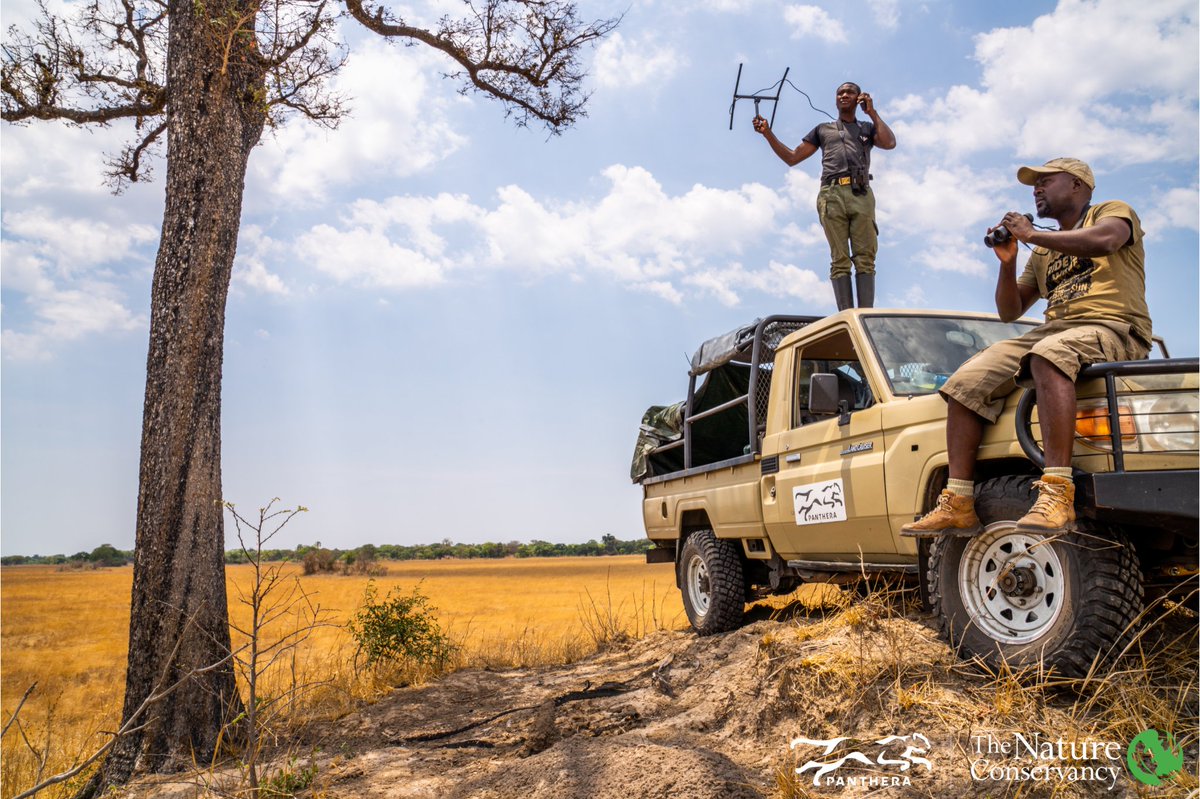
<point x="806" y="442"/>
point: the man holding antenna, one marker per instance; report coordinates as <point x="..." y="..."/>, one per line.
<point x="845" y="203"/>
<point x="1091" y="272"/>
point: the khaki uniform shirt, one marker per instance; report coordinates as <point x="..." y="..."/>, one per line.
<point x="1110" y="287"/>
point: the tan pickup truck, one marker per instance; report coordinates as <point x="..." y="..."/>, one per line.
<point x="805" y="443"/>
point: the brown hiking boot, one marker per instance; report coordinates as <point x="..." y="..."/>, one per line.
<point x="1054" y="510"/>
<point x="953" y="515"/>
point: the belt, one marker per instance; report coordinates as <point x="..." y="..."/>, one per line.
<point x="837" y="181"/>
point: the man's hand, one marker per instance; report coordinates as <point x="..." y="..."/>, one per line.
<point x="761" y="126"/>
<point x="1018" y="225"/>
<point x="868" y="105"/>
<point x="1007" y="251"/>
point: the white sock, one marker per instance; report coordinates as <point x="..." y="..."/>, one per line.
<point x="963" y="488"/>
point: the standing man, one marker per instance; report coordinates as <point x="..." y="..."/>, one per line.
<point x="1091" y="272"/>
<point x="845" y="204"/>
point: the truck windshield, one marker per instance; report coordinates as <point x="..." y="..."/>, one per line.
<point x="918" y="353"/>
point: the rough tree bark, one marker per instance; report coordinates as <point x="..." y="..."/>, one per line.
<point x="216" y="119"/>
<point x="228" y="68"/>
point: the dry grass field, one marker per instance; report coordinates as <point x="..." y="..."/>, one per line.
<point x="67" y="631"/>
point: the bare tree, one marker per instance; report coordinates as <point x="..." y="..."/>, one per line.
<point x="206" y="77"/>
<point x="270" y="598"/>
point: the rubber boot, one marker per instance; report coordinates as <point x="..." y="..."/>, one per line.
<point x="843" y="294"/>
<point x="866" y="289"/>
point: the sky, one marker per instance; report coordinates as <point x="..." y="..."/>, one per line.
<point x="443" y="326"/>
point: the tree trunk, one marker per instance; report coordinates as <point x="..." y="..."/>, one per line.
<point x="179" y="624"/>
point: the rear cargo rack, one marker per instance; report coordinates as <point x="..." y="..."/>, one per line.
<point x="748" y="349"/>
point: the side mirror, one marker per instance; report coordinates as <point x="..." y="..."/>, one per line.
<point x="823" y="394"/>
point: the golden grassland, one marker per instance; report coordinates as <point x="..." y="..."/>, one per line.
<point x="67" y="631"/>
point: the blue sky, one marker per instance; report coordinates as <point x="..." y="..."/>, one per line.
<point x="444" y="327"/>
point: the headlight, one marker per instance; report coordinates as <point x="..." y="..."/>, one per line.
<point x="1166" y="422"/>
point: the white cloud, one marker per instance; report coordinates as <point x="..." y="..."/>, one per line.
<point x="45" y="157"/>
<point x="905" y="106"/>
<point x="660" y="289"/>
<point x="369" y="258"/>
<point x="945" y="253"/>
<point x="777" y="280"/>
<point x="62" y="315"/>
<point x="730" y="5"/>
<point x="75" y="245"/>
<point x="925" y="198"/>
<point x="255" y="249"/>
<point x="1053" y="88"/>
<point x="886" y="13"/>
<point x="62" y="270"/>
<point x="1174" y="208"/>
<point x="397" y="127"/>
<point x="814" y="21"/>
<point x="625" y="63"/>
<point x="635" y="234"/>
<point x="911" y="297"/>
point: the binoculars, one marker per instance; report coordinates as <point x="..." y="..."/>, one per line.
<point x="1001" y="234"/>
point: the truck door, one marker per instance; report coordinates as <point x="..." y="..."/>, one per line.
<point x="828" y="497"/>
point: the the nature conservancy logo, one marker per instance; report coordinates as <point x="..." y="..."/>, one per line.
<point x="886" y="763"/>
<point x="1021" y="757"/>
<point x="1150" y="758"/>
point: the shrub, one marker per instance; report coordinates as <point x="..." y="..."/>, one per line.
<point x="317" y="560"/>
<point x="363" y="561"/>
<point x="399" y="629"/>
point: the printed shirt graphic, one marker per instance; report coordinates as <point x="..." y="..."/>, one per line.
<point x="1110" y="287"/>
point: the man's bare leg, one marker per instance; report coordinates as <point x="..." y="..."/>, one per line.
<point x="954" y="513"/>
<point x="964" y="431"/>
<point x="1056" y="410"/>
<point x="1054" y="510"/>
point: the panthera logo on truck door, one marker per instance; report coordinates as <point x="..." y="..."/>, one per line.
<point x="820" y="503"/>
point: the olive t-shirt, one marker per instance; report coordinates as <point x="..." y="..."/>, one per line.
<point x="843" y="145"/>
<point x="1111" y="287"/>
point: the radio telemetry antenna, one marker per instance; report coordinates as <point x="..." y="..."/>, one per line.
<point x="757" y="98"/>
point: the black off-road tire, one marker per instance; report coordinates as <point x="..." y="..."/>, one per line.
<point x="1076" y="601"/>
<point x="712" y="583"/>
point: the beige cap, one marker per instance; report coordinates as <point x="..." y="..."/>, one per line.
<point x="1072" y="166"/>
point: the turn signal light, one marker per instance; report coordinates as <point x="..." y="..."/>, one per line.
<point x="1092" y="425"/>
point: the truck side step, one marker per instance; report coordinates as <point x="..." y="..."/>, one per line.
<point x="844" y="566"/>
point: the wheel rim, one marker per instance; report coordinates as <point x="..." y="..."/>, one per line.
<point x="1012" y="583"/>
<point x="698" y="585"/>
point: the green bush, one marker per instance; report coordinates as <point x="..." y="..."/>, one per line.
<point x="288" y="781"/>
<point x="399" y="629"/>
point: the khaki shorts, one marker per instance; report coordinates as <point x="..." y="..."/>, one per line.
<point x="983" y="382"/>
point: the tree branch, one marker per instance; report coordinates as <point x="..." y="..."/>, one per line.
<point x="17" y="711"/>
<point x="525" y="53"/>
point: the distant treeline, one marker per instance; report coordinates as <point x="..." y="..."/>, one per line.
<point x="108" y="555"/>
<point x="103" y="555"/>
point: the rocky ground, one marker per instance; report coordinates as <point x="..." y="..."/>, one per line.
<point x="678" y="716"/>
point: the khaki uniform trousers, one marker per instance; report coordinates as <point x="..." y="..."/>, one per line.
<point x="849" y="223"/>
<point x="982" y="383"/>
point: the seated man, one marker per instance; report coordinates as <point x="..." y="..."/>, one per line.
<point x="1091" y="271"/>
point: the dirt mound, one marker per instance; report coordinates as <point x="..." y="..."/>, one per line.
<point x="863" y="701"/>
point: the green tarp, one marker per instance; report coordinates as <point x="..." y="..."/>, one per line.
<point x="716" y="438"/>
